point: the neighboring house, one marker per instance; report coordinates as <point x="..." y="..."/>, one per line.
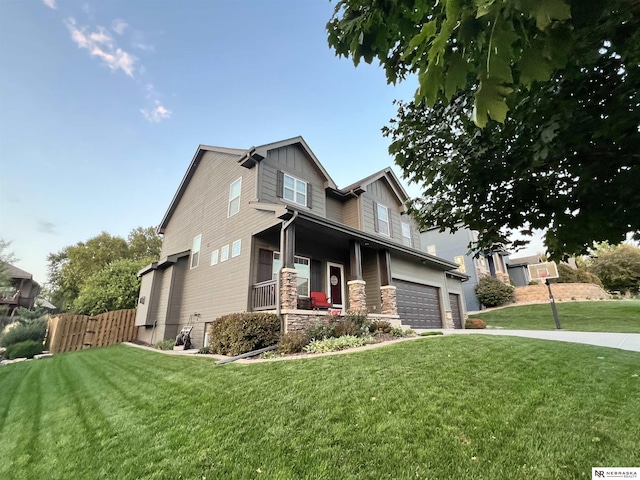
<point x="455" y="247"/>
<point x="21" y="292"/>
<point x="263" y="228"/>
<point x="519" y="271"/>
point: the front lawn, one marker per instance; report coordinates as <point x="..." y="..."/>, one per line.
<point x="471" y="407"/>
<point x="600" y="316"/>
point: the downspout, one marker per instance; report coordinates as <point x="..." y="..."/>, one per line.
<point x="279" y="279"/>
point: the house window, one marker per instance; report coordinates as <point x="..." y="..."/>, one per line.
<point x="224" y="253"/>
<point x="234" y="197"/>
<point x="294" y="190"/>
<point x="214" y="257"/>
<point x="302" y="266"/>
<point x="460" y="261"/>
<point x="195" y="251"/>
<point x="382" y="220"/>
<point x="235" y="248"/>
<point x="406" y="234"/>
<point x="431" y="250"/>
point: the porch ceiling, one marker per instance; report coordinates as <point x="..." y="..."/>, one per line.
<point x="311" y="229"/>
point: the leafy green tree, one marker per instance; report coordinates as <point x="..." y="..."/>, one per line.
<point x="618" y="267"/>
<point x="72" y="267"/>
<point x="575" y="275"/>
<point x="566" y="158"/>
<point x="114" y="287"/>
<point x="492" y="292"/>
<point x="144" y="242"/>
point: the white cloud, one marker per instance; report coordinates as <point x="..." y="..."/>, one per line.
<point x="119" y="26"/>
<point x="100" y="44"/>
<point x="157" y="114"/>
<point x="50" y="3"/>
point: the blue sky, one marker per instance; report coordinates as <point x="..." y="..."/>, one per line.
<point x="103" y="104"/>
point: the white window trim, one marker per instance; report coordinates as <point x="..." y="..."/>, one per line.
<point x="233" y="248"/>
<point x="296" y="181"/>
<point x="215" y="257"/>
<point x="407" y="237"/>
<point x="224" y="253"/>
<point x="299" y="261"/>
<point x="380" y="206"/>
<point x="197" y="239"/>
<point x="231" y="199"/>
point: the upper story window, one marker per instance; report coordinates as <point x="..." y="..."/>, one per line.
<point x="234" y="197"/>
<point x="406" y="234"/>
<point x="235" y="248"/>
<point x="383" y="225"/>
<point x="293" y="189"/>
<point x="195" y="251"/>
<point x="214" y="257"/>
<point x="460" y="261"/>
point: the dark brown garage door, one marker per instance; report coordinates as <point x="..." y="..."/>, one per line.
<point x="418" y="304"/>
<point x="454" y="300"/>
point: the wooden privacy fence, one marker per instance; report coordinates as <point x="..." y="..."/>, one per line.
<point x="69" y="332"/>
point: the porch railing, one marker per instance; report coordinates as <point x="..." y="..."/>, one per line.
<point x="264" y="295"/>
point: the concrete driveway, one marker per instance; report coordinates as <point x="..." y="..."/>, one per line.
<point x="623" y="341"/>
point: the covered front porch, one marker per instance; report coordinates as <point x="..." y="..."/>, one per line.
<point x="320" y="259"/>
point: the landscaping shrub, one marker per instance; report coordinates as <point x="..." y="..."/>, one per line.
<point x="475" y="323"/>
<point x="204" y="350"/>
<point x="26" y="349"/>
<point x="397" y="332"/>
<point x="293" y="342"/>
<point x="322" y="329"/>
<point x="20" y="332"/>
<point x="491" y="292"/>
<point x="347" y="327"/>
<point x="239" y="333"/>
<point x="433" y="332"/>
<point x="359" y="318"/>
<point x="166" y="344"/>
<point x="334" y="344"/>
<point x="380" y="326"/>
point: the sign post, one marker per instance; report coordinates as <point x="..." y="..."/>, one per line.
<point x="545" y="271"/>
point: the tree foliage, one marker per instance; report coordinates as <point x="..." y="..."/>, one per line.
<point x="113" y="287"/>
<point x="618" y="267"/>
<point x="71" y="268"/>
<point x="565" y="160"/>
<point x="575" y="275"/>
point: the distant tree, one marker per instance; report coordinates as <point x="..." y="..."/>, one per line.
<point x="72" y="267"/>
<point x="618" y="267"/>
<point x="575" y="275"/>
<point x="6" y="257"/>
<point x="114" y="287"/>
<point x="144" y="242"/>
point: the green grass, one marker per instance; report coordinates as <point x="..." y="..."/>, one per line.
<point x="603" y="316"/>
<point x="469" y="407"/>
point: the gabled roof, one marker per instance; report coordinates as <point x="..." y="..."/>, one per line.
<point x="15" y="272"/>
<point x="386" y="174"/>
<point x="247" y="158"/>
<point x="528" y="260"/>
<point x="257" y="154"/>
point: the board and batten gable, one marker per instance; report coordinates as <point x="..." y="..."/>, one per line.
<point x="380" y="192"/>
<point x="215" y="290"/>
<point x="293" y="160"/>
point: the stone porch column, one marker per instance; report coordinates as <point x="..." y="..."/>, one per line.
<point x="389" y="305"/>
<point x="289" y="289"/>
<point x="448" y="319"/>
<point x="357" y="295"/>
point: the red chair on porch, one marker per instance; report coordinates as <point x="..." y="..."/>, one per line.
<point x="320" y="300"/>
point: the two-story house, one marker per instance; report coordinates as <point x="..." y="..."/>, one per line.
<point x="263" y="228"/>
<point x="455" y="247"/>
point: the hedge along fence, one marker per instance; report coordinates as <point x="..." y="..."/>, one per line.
<point x="69" y="332"/>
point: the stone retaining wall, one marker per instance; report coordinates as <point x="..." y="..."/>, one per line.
<point x="561" y="292"/>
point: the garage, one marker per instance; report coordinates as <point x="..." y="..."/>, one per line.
<point x="454" y="300"/>
<point x="418" y="304"/>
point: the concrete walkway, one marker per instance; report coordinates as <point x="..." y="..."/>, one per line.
<point x="623" y="341"/>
